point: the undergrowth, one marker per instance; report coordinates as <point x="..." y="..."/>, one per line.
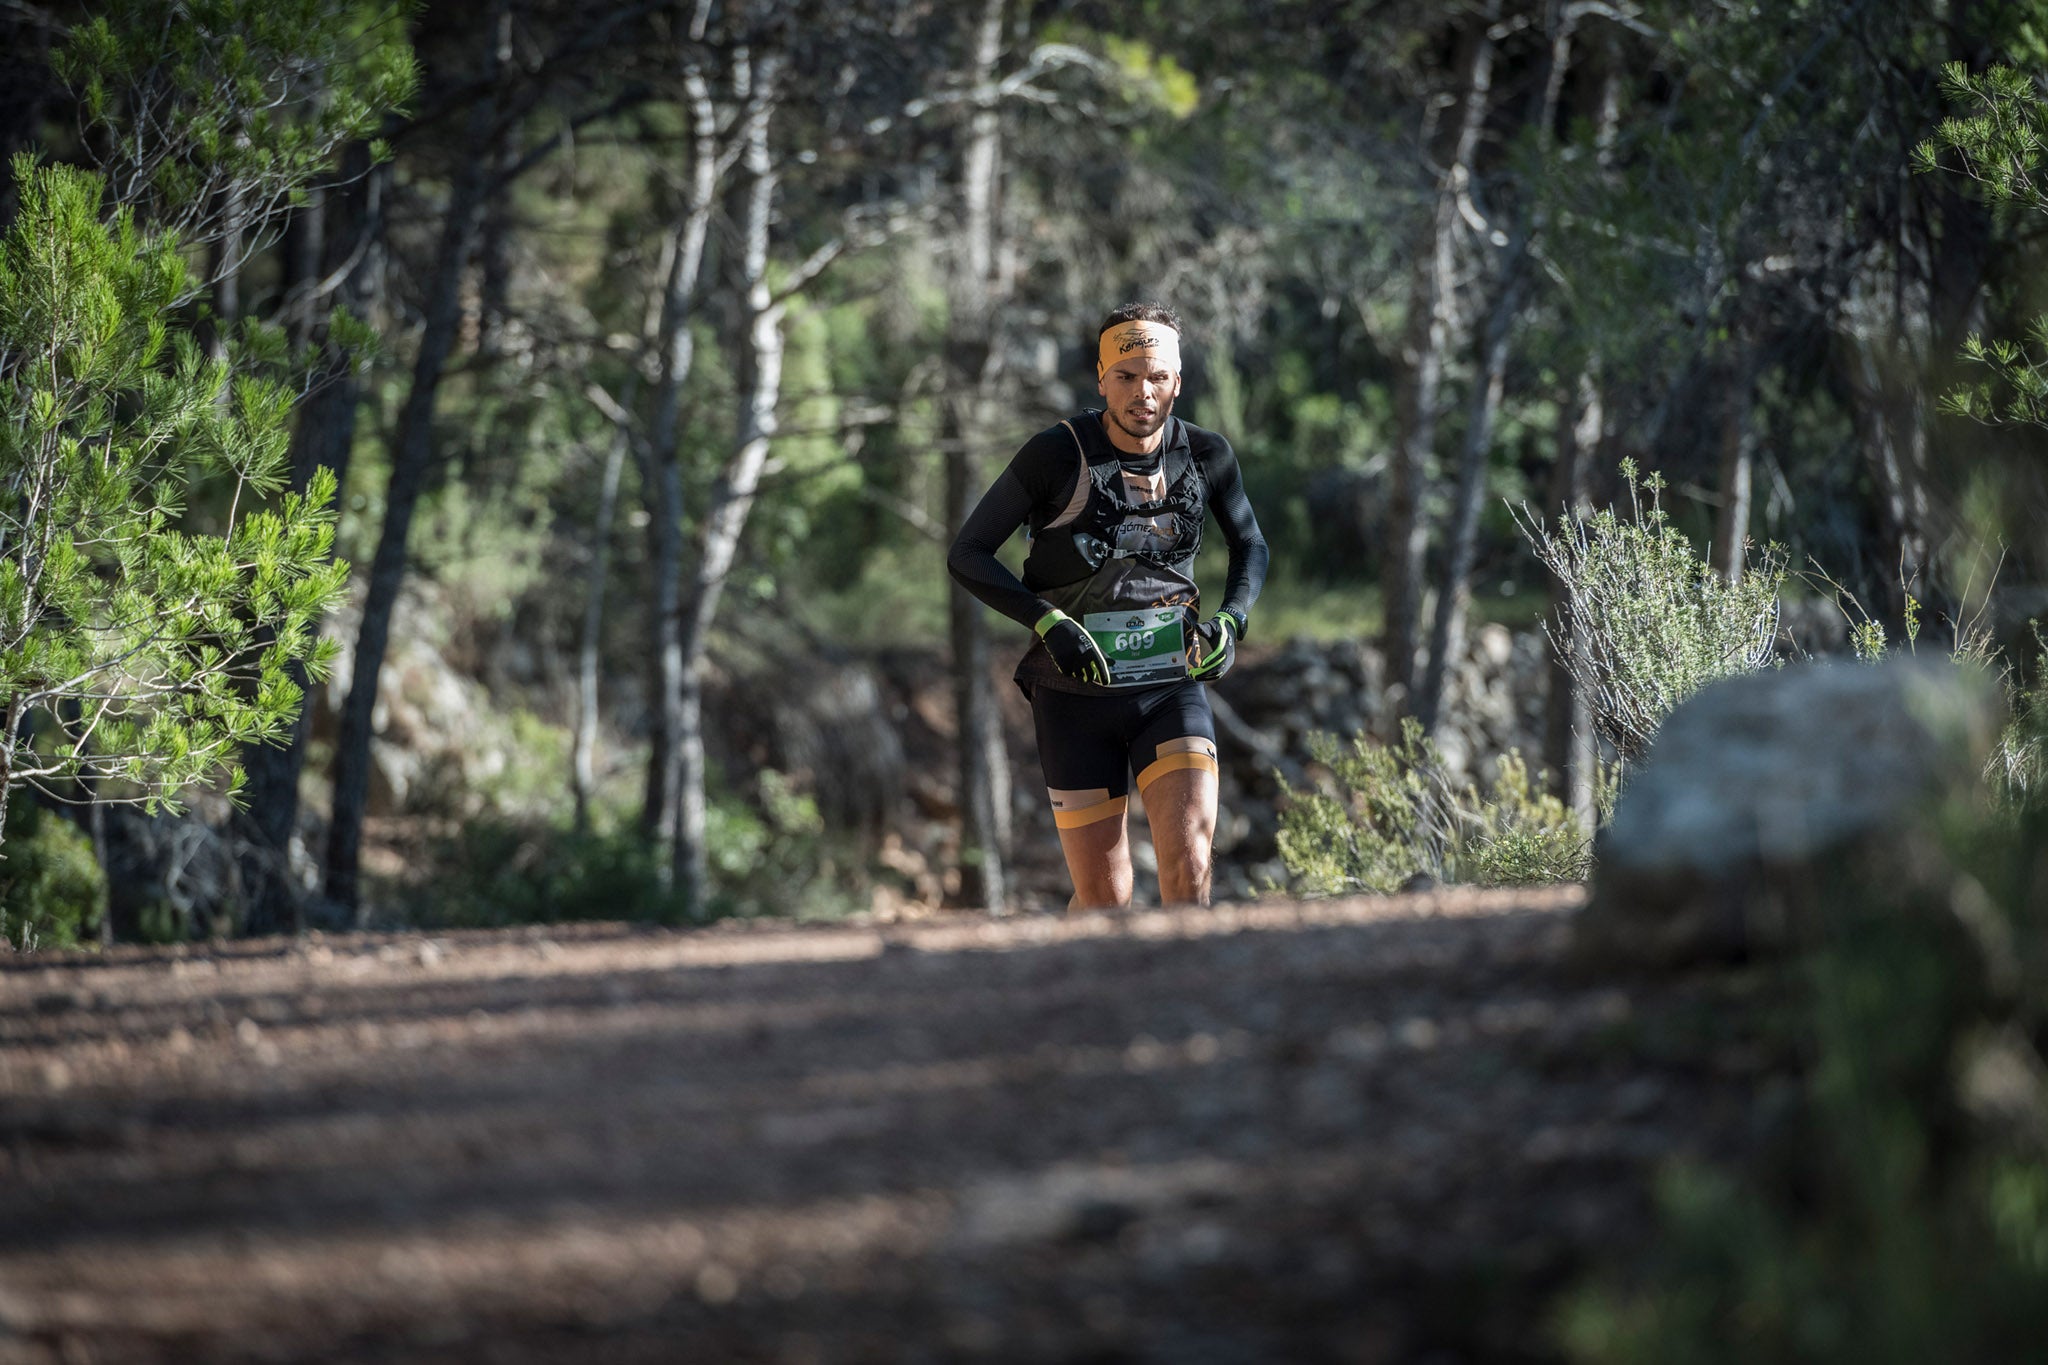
<point x="53" y="892"/>
<point x="1647" y="621"/>
<point x="769" y="856"/>
<point x="2017" y="768"/>
<point x="1388" y="813"/>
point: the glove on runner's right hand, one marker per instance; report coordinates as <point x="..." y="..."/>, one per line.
<point x="1073" y="649"/>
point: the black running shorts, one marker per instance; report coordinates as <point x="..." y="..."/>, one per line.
<point x="1090" y="744"/>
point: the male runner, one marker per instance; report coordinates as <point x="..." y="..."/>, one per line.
<point x="1113" y="500"/>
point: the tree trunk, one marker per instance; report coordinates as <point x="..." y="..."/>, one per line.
<point x="494" y="258"/>
<point x="1571" y="749"/>
<point x="662" y="476"/>
<point x="1432" y="327"/>
<point x="305" y="261"/>
<point x="1891" y="422"/>
<point x="225" y="270"/>
<point x="346" y="225"/>
<point x="983" y="764"/>
<point x="1738" y="458"/>
<point x="1454" y="593"/>
<point x="412" y="458"/>
<point x="10" y="744"/>
<point x="732" y="497"/>
<point x="1407" y="533"/>
<point x="582" y="758"/>
<point x="96" y="829"/>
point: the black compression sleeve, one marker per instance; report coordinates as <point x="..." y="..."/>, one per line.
<point x="1041" y="475"/>
<point x="1233" y="512"/>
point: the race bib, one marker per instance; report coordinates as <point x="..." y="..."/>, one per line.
<point x="1144" y="646"/>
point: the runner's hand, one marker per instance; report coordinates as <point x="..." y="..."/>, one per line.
<point x="1073" y="649"/>
<point x="1215" y="648"/>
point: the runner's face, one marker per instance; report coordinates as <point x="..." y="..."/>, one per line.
<point x="1139" y="395"/>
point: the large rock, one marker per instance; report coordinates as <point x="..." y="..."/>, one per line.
<point x="1758" y="783"/>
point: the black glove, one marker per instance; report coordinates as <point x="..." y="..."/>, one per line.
<point x="1073" y="649"/>
<point x="1215" y="648"/>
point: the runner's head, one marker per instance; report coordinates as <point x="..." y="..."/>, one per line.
<point x="1138" y="367"/>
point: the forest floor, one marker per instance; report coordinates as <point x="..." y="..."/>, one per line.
<point x="1379" y="1129"/>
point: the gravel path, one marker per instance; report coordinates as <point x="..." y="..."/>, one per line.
<point x="1363" y="1130"/>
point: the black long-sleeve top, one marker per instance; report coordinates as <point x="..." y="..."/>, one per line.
<point x="1041" y="479"/>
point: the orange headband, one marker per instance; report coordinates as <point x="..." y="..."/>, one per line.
<point x="1154" y="341"/>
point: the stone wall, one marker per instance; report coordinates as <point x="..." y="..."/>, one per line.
<point x="871" y="736"/>
<point x="1273" y="701"/>
<point x="887" y="771"/>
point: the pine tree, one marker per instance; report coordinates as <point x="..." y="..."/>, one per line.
<point x="141" y="643"/>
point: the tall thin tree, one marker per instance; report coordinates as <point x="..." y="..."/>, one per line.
<point x="971" y="357"/>
<point x="1509" y="294"/>
<point x="1432" y="328"/>
<point x="1570" y="748"/>
<point x="412" y="458"/>
<point x="732" y="494"/>
<point x="339" y="255"/>
<point x="662" y="471"/>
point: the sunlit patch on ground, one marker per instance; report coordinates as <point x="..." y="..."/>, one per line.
<point x="1285" y="1131"/>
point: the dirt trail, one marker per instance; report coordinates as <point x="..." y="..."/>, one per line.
<point x="1364" y="1130"/>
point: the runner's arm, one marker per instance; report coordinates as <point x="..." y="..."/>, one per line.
<point x="1233" y="511"/>
<point x="1042" y="474"/>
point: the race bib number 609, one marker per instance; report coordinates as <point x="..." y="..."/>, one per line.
<point x="1143" y="647"/>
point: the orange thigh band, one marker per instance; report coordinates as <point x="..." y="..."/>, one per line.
<point x="1072" y="809"/>
<point x="1176" y="755"/>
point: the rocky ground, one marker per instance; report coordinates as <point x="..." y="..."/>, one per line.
<point x="1365" y="1130"/>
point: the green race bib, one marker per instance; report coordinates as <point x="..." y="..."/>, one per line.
<point x="1143" y="646"/>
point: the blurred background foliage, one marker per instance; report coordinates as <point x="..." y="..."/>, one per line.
<point x="1437" y="261"/>
<point x="652" y="344"/>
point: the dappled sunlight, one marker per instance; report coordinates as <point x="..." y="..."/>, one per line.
<point x="323" y="1146"/>
<point x="564" y="561"/>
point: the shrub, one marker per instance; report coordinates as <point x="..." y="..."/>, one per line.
<point x="2017" y="769"/>
<point x="1522" y="835"/>
<point x="1388" y="813"/>
<point x="1647" y="622"/>
<point x="494" y="872"/>
<point x="770" y="858"/>
<point x="52" y="889"/>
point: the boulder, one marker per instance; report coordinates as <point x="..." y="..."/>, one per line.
<point x="1759" y="784"/>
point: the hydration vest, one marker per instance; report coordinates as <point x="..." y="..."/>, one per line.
<point x="1105" y="552"/>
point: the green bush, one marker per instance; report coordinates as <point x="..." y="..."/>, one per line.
<point x="774" y="857"/>
<point x="2017" y="769"/>
<point x="52" y="889"/>
<point x="770" y="857"/>
<point x="1387" y="813"/>
<point x="1647" y="622"/>
<point x="496" y="872"/>
<point x="1521" y="835"/>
